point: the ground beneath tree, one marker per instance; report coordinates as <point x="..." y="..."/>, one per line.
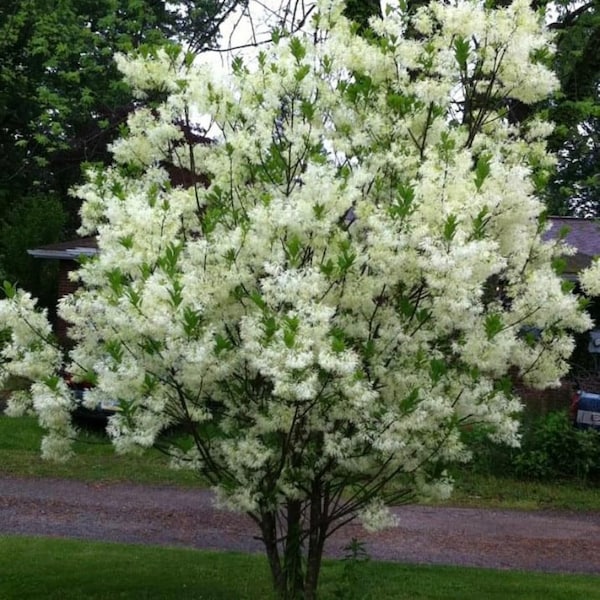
<point x="552" y="541"/>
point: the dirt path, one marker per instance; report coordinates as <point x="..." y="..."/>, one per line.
<point x="540" y="541"/>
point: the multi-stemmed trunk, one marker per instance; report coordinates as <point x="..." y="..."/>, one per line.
<point x="295" y="553"/>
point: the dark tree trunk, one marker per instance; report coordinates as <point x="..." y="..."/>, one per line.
<point x="286" y="556"/>
<point x="292" y="558"/>
<point x="316" y="540"/>
<point x="295" y="568"/>
<point x="268" y="526"/>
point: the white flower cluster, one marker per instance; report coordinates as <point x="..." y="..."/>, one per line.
<point x="27" y="353"/>
<point x="590" y="279"/>
<point x="360" y="271"/>
<point x="30" y="353"/>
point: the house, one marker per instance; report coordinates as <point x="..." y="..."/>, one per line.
<point x="68" y="254"/>
<point x="582" y="234"/>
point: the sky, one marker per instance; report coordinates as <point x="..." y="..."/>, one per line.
<point x="246" y="29"/>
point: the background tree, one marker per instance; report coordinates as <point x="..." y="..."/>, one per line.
<point x="575" y="188"/>
<point x="360" y="11"/>
<point x="347" y="293"/>
<point x="63" y="101"/>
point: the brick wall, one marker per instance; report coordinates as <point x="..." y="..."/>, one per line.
<point x="541" y="402"/>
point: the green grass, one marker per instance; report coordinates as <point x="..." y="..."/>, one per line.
<point x="94" y="460"/>
<point x="486" y="491"/>
<point x="46" y="568"/>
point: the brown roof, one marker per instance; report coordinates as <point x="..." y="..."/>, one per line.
<point x="582" y="234"/>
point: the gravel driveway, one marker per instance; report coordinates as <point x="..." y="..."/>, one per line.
<point x="538" y="541"/>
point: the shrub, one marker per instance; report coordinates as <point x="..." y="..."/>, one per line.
<point x="552" y="448"/>
<point x="489" y="458"/>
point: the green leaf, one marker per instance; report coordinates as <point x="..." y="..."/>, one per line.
<point x="258" y="300"/>
<point x="403" y="206"/>
<point x="338" y="340"/>
<point x="461" y="52"/>
<point x="540" y="179"/>
<point x="276" y="35"/>
<point x="175" y="294"/>
<point x="504" y="385"/>
<point x="222" y="344"/>
<point x="450" y="227"/>
<point x="480" y="222"/>
<point x="297" y="49"/>
<point x="52" y="381"/>
<point x="559" y="264"/>
<point x="327" y="268"/>
<point x="146" y="271"/>
<point x="493" y="325"/>
<point x="151" y="346"/>
<point x="406" y="307"/>
<point x="347" y="257"/>
<point x="583" y="303"/>
<point x="150" y="383"/>
<point x="319" y="211"/>
<point x="301" y="72"/>
<point x="446" y="146"/>
<point x="291" y="325"/>
<point x="126" y="242"/>
<point x="168" y="261"/>
<point x="567" y="286"/>
<point x="361" y="87"/>
<point x="399" y="103"/>
<point x="237" y="65"/>
<point x="115" y="350"/>
<point x="133" y="296"/>
<point x="271" y="328"/>
<point x="229" y="256"/>
<point x="530" y="337"/>
<point x="116" y="280"/>
<point x="239" y="293"/>
<point x="482" y="170"/>
<point x="191" y="321"/>
<point x="409" y="403"/>
<point x="308" y="110"/>
<point x="368" y="349"/>
<point x="437" y="369"/>
<point x="189" y="59"/>
<point x="423" y="316"/>
<point x="293" y="251"/>
<point x="9" y="289"/>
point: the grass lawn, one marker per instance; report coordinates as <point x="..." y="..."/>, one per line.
<point x="94" y="460"/>
<point x="486" y="491"/>
<point x="35" y="568"/>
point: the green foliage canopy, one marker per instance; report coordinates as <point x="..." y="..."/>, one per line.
<point x="575" y="188"/>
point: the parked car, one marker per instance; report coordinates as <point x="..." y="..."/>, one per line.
<point x="585" y="410"/>
<point x="100" y="411"/>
